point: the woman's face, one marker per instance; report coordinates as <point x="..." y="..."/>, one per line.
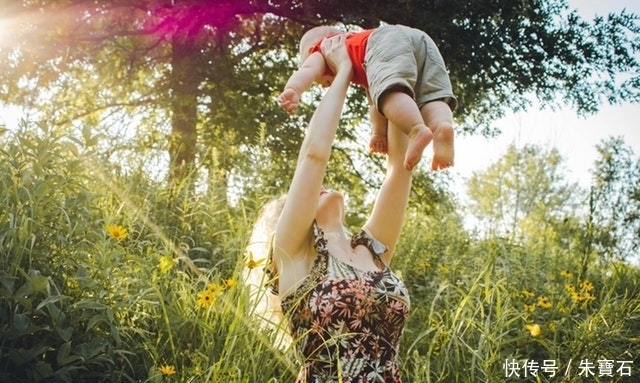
<point x="330" y="207"/>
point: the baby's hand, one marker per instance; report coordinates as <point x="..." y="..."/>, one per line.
<point x="289" y="100"/>
<point x="378" y="144"/>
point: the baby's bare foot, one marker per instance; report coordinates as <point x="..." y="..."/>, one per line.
<point x="419" y="138"/>
<point x="443" y="152"/>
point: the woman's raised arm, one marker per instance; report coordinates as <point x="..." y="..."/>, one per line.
<point x="292" y="232"/>
<point x="385" y="221"/>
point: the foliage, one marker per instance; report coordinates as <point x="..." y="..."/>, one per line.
<point x="524" y="186"/>
<point x="200" y="77"/>
<point x="108" y="273"/>
<point x="59" y="315"/>
<point x="615" y="199"/>
<point x="101" y="281"/>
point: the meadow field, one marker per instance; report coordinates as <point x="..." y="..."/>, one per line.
<point x="107" y="276"/>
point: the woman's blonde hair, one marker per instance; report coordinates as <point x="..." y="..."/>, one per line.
<point x="312" y="36"/>
<point x="265" y="305"/>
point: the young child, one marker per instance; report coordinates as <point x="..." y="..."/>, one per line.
<point x="402" y="71"/>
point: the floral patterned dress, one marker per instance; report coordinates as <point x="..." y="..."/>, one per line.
<point x="347" y="323"/>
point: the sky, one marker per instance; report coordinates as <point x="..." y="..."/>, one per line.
<point x="574" y="137"/>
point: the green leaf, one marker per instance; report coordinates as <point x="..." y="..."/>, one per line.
<point x="63" y="352"/>
<point x="90" y="304"/>
<point x="24" y="291"/>
<point x="41" y="371"/>
<point x="96" y="319"/>
<point x="21" y="324"/>
<point x="21" y="356"/>
<point x="65" y="333"/>
<point x="51" y="299"/>
<point x="8" y="283"/>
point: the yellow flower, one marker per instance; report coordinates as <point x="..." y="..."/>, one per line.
<point x="566" y="273"/>
<point x="575" y="296"/>
<point x="544" y="302"/>
<point x="527" y="294"/>
<point x="167" y="370"/>
<point x="533" y="329"/>
<point x="229" y="283"/>
<point x="529" y="308"/>
<point x="72" y="283"/>
<point x="205" y="298"/>
<point x="117" y="232"/>
<point x="251" y="263"/>
<point x="214" y="288"/>
<point x="166" y="263"/>
<point x="424" y="264"/>
<point x="443" y="268"/>
<point x="586" y="285"/>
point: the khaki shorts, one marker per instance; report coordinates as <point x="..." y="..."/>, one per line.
<point x="406" y="59"/>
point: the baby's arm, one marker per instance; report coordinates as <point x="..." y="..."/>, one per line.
<point x="311" y="70"/>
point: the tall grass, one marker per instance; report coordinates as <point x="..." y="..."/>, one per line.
<point x="109" y="277"/>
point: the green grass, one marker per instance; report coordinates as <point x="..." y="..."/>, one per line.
<point x="78" y="304"/>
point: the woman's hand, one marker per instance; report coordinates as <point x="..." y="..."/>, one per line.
<point x="334" y="50"/>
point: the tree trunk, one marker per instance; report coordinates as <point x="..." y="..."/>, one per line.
<point x="184" y="87"/>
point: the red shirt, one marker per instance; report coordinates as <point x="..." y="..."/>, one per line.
<point x="356" y="47"/>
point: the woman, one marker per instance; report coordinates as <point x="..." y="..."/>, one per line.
<point x="344" y="306"/>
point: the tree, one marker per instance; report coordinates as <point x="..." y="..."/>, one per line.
<point x="204" y="73"/>
<point x="147" y="70"/>
<point x="525" y="184"/>
<point x="614" y="216"/>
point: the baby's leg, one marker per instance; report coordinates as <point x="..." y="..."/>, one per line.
<point x="419" y="137"/>
<point x="438" y="116"/>
<point x="402" y="111"/>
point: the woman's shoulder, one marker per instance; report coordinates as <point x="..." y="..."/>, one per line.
<point x="364" y="238"/>
<point x="287" y="270"/>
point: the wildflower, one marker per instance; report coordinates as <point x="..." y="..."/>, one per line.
<point x="582" y="296"/>
<point x="72" y="283"/>
<point x="229" y="283"/>
<point x="167" y="370"/>
<point x="424" y="264"/>
<point x="566" y="274"/>
<point x="544" y="302"/>
<point x="529" y="308"/>
<point x="527" y="294"/>
<point x="205" y="298"/>
<point x="214" y="288"/>
<point x="576" y="296"/>
<point x="443" y="268"/>
<point x="166" y="263"/>
<point x="251" y="263"/>
<point x="534" y="329"/>
<point x="117" y="232"/>
<point x="588" y="297"/>
<point x="586" y="285"/>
